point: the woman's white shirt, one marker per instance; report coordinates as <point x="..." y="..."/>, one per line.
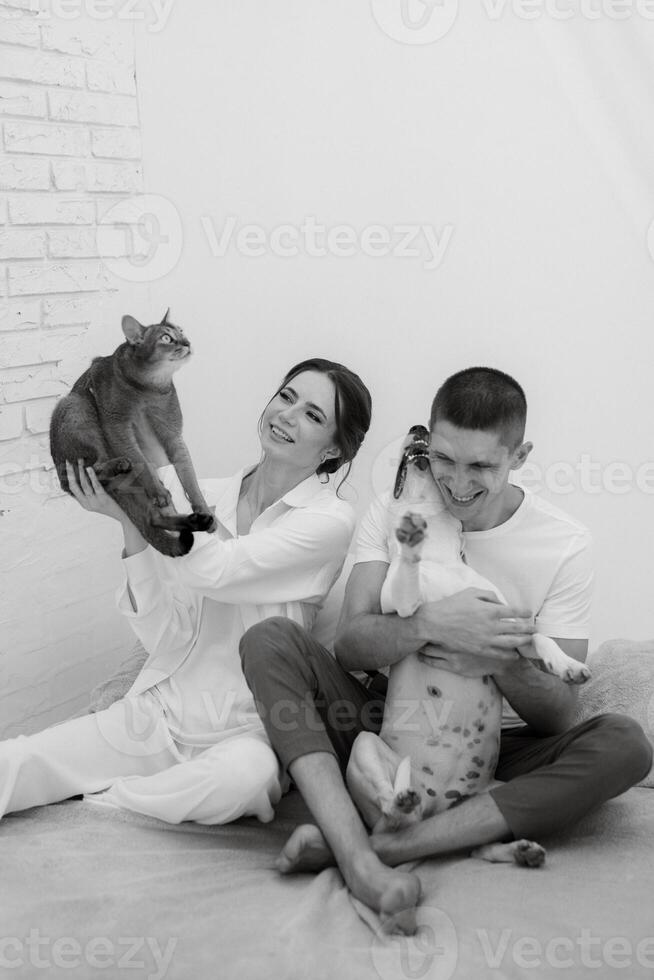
<point x="191" y="612"/>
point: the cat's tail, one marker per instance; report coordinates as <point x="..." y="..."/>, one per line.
<point x="168" y="542"/>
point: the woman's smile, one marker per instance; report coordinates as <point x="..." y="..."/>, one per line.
<point x="280" y="434"/>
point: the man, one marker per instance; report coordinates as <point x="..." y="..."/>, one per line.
<point x="539" y="558"/>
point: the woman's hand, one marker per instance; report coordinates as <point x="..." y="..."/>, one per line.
<point x="90" y="494"/>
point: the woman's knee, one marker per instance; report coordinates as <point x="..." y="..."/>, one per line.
<point x="626" y="745"/>
<point x="262" y="765"/>
<point x="249" y="767"/>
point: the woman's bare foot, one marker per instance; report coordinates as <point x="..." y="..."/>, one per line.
<point x="305" y="850"/>
<point x="393" y="894"/>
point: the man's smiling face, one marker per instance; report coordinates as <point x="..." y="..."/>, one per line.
<point x="471" y="468"/>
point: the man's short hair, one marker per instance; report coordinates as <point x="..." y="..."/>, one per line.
<point x="483" y="398"/>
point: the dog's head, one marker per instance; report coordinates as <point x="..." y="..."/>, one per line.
<point x="415" y="452"/>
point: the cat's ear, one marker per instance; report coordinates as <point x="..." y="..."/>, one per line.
<point x="165" y="317"/>
<point x="133" y="330"/>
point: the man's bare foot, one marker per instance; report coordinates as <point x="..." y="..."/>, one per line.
<point x="393" y="894"/>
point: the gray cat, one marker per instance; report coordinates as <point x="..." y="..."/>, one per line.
<point x="123" y="417"/>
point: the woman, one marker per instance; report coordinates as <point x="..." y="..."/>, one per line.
<point x="186" y="742"/>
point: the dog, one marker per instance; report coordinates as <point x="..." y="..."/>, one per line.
<point x="440" y="738"/>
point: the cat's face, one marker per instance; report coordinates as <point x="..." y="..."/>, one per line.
<point x="161" y="346"/>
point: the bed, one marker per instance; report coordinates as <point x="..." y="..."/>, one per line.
<point x="90" y="890"/>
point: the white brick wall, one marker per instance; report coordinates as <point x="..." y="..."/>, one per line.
<point x="69" y="148"/>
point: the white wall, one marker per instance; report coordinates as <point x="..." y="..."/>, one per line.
<point x="532" y="139"/>
<point x="69" y="151"/>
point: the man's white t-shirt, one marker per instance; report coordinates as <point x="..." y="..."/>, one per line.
<point x="540" y="559"/>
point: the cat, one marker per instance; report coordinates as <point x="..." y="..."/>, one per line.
<point x="122" y="416"/>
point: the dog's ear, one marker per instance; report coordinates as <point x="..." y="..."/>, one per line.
<point x="415" y="450"/>
<point x="165" y="317"/>
<point x="132" y="329"/>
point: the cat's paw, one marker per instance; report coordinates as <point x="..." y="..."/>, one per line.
<point x="163" y="499"/>
<point x="202" y="521"/>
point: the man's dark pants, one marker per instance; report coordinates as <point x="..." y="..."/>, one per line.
<point x="308" y="703"/>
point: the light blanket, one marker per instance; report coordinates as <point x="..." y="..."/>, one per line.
<point x="206" y="903"/>
<point x="622" y="682"/>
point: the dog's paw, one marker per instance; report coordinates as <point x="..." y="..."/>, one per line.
<point x="407" y="800"/>
<point x="551" y="658"/>
<point x="569" y="673"/>
<point x="528" y="854"/>
<point x="576" y="674"/>
<point x="400" y="810"/>
<point x="411" y="530"/>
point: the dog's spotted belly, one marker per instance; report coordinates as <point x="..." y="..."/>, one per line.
<point x="448" y="725"/>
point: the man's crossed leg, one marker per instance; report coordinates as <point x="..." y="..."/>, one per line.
<point x="550" y="782"/>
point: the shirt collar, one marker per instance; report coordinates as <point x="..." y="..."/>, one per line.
<point x="226" y="497"/>
<point x="304" y="493"/>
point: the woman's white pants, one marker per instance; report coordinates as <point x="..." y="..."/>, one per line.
<point x="128" y="751"/>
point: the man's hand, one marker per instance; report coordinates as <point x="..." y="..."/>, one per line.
<point x="477" y="635"/>
<point x="495" y="662"/>
<point x="472" y="622"/>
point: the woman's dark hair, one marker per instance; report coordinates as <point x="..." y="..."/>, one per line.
<point x="352" y="409"/>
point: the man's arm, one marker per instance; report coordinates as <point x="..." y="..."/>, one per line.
<point x="544" y="702"/>
<point x="471" y="624"/>
<point x="541" y="700"/>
